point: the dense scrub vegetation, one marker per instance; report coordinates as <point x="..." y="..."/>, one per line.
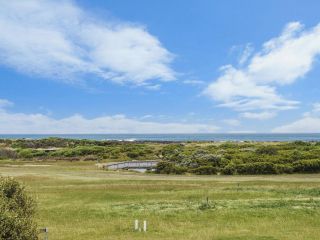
<point x="229" y="158"/>
<point x="241" y="158"/>
<point x="75" y="150"/>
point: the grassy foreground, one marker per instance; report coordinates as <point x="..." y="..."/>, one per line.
<point x="78" y="201"/>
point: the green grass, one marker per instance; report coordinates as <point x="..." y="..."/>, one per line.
<point x="78" y="201"/>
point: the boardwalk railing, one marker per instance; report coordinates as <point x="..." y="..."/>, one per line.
<point x="147" y="164"/>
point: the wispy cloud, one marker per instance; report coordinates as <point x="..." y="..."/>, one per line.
<point x="246" y="53"/>
<point x="316" y="107"/>
<point x="194" y="82"/>
<point x="4" y="103"/>
<point x="232" y="122"/>
<point x="37" y="123"/>
<point x="258" y="115"/>
<point x="307" y="124"/>
<point x="153" y="87"/>
<point x="281" y="61"/>
<point x="59" y="40"/>
<point x="148" y="116"/>
<point x="315" y="111"/>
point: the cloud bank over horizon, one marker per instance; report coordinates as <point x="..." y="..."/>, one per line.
<point x="309" y="123"/>
<point x="38" y="123"/>
<point x="59" y="40"/>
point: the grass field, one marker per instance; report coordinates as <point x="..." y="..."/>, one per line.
<point x="79" y="201"/>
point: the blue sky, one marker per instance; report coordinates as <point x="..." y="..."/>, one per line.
<point x="143" y="66"/>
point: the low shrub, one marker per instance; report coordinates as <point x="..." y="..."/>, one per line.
<point x="256" y="168"/>
<point x="133" y="155"/>
<point x="267" y="150"/>
<point x="165" y="167"/>
<point x="25" y="153"/>
<point x="206" y="206"/>
<point x="205" y="170"/>
<point x="283" y="168"/>
<point x="229" y="170"/>
<point x="307" y="166"/>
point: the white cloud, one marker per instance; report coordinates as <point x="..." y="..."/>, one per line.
<point x="58" y="39"/>
<point x="258" y="115"/>
<point x="146" y="116"/>
<point x="194" y="82"/>
<point x="153" y="87"/>
<point x="232" y="122"/>
<point x="316" y="107"/>
<point x="309" y="123"/>
<point x="5" y="103"/>
<point x="314" y="111"/>
<point x="236" y="91"/>
<point x="241" y="52"/>
<point x="21" y="123"/>
<point x="304" y="125"/>
<point x="281" y="61"/>
<point x="246" y="53"/>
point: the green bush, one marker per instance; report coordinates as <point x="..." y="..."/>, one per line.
<point x="229" y="170"/>
<point x="207" y="158"/>
<point x="179" y="169"/>
<point x="267" y="150"/>
<point x="79" y="151"/>
<point x="25" y="153"/>
<point x="16" y="212"/>
<point x="88" y="150"/>
<point x="172" y="152"/>
<point x="133" y="155"/>
<point x="301" y="143"/>
<point x="206" y="205"/>
<point x="205" y="170"/>
<point x="307" y="166"/>
<point x="283" y="168"/>
<point x="165" y="167"/>
<point x="255" y="168"/>
<point x="296" y="155"/>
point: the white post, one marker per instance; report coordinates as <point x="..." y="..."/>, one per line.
<point x="144" y="225"/>
<point x="46" y="231"/>
<point x="136" y="225"/>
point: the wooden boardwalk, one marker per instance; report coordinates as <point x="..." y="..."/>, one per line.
<point x="146" y="164"/>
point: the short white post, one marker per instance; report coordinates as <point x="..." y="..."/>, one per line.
<point x="136" y="225"/>
<point x="46" y="233"/>
<point x="144" y="225"/>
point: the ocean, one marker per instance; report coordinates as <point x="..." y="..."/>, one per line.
<point x="259" y="137"/>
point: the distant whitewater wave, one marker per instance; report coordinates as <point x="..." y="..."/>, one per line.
<point x="123" y="140"/>
<point x="130" y="139"/>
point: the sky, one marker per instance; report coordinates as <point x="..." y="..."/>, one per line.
<point x="181" y="66"/>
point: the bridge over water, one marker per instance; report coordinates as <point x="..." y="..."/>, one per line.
<point x="139" y="165"/>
